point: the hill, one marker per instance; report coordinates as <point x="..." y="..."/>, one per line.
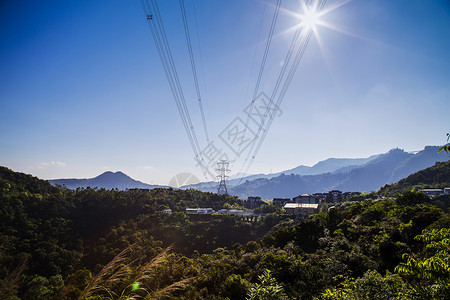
<point x="437" y="176"/>
<point x="63" y="244"/>
<point x="107" y="180"/>
<point x="383" y="169"/>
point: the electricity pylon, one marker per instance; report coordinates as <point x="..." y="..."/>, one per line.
<point x="222" y="170"/>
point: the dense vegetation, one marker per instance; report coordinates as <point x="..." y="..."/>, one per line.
<point x="108" y="244"/>
<point x="437" y="176"/>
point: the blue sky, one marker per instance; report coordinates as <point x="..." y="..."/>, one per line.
<point x="82" y="89"/>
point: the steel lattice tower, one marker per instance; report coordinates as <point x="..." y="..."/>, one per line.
<point x="222" y="170"/>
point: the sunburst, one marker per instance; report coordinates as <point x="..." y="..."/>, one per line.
<point x="310" y="15"/>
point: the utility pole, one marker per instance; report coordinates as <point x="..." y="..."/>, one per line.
<point x="222" y="170"/>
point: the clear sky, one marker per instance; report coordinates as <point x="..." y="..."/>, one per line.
<point x="82" y="89"/>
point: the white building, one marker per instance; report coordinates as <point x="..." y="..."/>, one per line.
<point x="435" y="192"/>
<point x="238" y="212"/>
<point x="199" y="210"/>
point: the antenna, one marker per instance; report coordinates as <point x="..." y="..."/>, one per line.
<point x="222" y="170"/>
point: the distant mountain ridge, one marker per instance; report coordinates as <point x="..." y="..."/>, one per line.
<point x="330" y="165"/>
<point x="356" y="175"/>
<point x="383" y="169"/>
<point x="108" y="180"/>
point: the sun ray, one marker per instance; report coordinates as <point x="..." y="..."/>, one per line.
<point x="310" y="15"/>
<point x="346" y="32"/>
<point x="325" y="56"/>
<point x="334" y="7"/>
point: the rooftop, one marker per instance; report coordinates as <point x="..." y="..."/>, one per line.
<point x="301" y="205"/>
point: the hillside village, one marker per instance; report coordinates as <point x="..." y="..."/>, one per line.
<point x="300" y="206"/>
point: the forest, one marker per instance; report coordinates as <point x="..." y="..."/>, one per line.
<point x="57" y="243"/>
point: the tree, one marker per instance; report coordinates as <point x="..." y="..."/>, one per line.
<point x="268" y="289"/>
<point x="432" y="274"/>
<point x="371" y="286"/>
<point x="446" y="148"/>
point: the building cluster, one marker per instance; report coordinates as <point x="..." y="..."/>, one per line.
<point x="436" y="192"/>
<point x="300" y="206"/>
<point x="303" y="205"/>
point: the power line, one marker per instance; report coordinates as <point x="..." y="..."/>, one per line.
<point x="292" y="60"/>
<point x="270" y="110"/>
<point x="266" y="50"/>
<point x="194" y="70"/>
<point x="291" y="48"/>
<point x="263" y="64"/>
<point x="163" y="48"/>
<point x="300" y="53"/>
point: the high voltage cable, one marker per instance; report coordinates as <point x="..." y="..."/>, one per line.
<point x="284" y="89"/>
<point x="160" y="38"/>
<point x="164" y="53"/>
<point x="262" y="66"/>
<point x="202" y="73"/>
<point x="292" y="46"/>
<point x="194" y="70"/>
<point x="256" y="48"/>
<point x="300" y="52"/>
<point x="177" y="81"/>
<point x="266" y="50"/>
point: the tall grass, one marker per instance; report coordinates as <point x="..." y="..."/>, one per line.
<point x="10" y="284"/>
<point x="120" y="279"/>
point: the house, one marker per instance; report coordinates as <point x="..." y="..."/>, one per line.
<point x="435" y="192"/>
<point x="305" y="199"/>
<point x="347" y="195"/>
<point x="280" y="201"/>
<point x="238" y="212"/>
<point x="199" y="210"/>
<point x="301" y="210"/>
<point x="334" y="196"/>
<point x="254" y="202"/>
<point x="321" y="197"/>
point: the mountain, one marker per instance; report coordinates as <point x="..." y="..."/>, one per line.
<point x="331" y="165"/>
<point x="108" y="180"/>
<point x="383" y="169"/>
<point x="437" y="176"/>
<point x="211" y="186"/>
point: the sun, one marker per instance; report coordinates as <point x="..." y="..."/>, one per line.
<point x="310" y="17"/>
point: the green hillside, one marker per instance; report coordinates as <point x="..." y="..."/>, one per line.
<point x="437" y="176"/>
<point x="109" y="244"/>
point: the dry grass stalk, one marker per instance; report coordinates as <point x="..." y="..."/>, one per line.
<point x="146" y="271"/>
<point x="115" y="277"/>
<point x="116" y="272"/>
<point x="11" y="282"/>
<point x="168" y="290"/>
